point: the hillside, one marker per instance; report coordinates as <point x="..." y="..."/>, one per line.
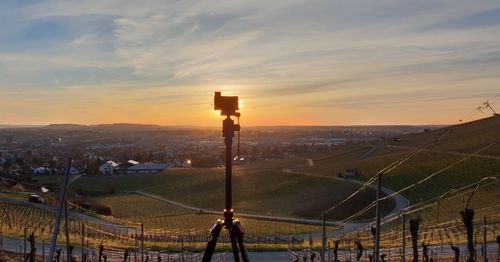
<point x="446" y="146"/>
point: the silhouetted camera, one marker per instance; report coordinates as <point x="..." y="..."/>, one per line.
<point x="228" y="105"/>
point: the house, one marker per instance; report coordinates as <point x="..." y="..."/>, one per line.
<point x="108" y="168"/>
<point x="147" y="168"/>
<point x="126" y="165"/>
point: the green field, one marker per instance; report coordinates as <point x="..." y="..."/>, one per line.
<point x="258" y="189"/>
<point x="157" y="215"/>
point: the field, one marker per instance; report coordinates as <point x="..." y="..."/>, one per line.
<point x="157" y="215"/>
<point x="258" y="189"/>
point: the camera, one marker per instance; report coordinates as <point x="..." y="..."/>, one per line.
<point x="228" y="105"/>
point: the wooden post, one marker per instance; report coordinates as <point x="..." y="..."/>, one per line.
<point x="323" y="239"/>
<point x="24" y="253"/>
<point x="142" y="242"/>
<point x="83" y="240"/>
<point x="403" y="235"/>
<point x="378" y="211"/>
<point x="136" y="244"/>
<point x="485" y="259"/>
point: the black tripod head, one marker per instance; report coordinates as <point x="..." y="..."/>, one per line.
<point x="228" y="105"/>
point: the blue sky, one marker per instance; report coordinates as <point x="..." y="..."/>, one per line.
<point x="307" y="62"/>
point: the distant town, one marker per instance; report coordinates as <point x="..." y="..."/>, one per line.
<point x="120" y="149"/>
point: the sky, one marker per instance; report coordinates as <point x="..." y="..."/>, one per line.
<point x="307" y="62"/>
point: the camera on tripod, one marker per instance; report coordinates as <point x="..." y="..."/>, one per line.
<point x="228" y="105"/>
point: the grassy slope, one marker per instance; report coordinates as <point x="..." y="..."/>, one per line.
<point x="156" y="215"/>
<point x="465" y="138"/>
<point x="258" y="188"/>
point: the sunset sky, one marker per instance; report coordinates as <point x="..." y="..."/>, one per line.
<point x="291" y="62"/>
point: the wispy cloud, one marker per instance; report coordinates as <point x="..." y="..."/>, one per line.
<point x="330" y="53"/>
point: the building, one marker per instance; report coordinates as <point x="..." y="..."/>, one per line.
<point x="108" y="168"/>
<point x="147" y="168"/>
<point x="126" y="165"/>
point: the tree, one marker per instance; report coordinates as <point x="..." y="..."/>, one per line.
<point x="468" y="219"/>
<point x="414" y="226"/>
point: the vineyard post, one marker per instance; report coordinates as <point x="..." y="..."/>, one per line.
<point x="24" y="241"/>
<point x="66" y="229"/>
<point x="83" y="240"/>
<point x="377" y="234"/>
<point x="403" y="235"/>
<point x="1" y="242"/>
<point x="484" y="240"/>
<point x="135" y="237"/>
<point x="59" y="213"/>
<point x="142" y="242"/>
<point x="323" y="239"/>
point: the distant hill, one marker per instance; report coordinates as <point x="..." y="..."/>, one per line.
<point x="465" y="138"/>
<point x="65" y="127"/>
<point x="119" y="127"/>
<point x="125" y="127"/>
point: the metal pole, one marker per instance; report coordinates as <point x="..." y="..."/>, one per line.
<point x="59" y="213"/>
<point x="323" y="239"/>
<point x="484" y="240"/>
<point x="66" y="229"/>
<point x="403" y="235"/>
<point x="142" y="242"/>
<point x="228" y="127"/>
<point x="378" y="211"/>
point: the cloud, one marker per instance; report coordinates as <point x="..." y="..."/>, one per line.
<point x="302" y="50"/>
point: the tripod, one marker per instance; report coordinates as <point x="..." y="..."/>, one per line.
<point x="234" y="227"/>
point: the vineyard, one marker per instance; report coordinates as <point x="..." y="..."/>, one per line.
<point x="439" y="178"/>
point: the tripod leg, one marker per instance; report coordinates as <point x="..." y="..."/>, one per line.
<point x="239" y="232"/>
<point x="234" y="245"/>
<point x="215" y="232"/>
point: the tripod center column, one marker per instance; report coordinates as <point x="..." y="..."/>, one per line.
<point x="228" y="134"/>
